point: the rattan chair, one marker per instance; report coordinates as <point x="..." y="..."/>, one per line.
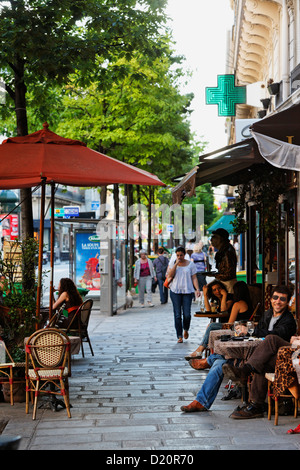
<point x="79" y="324"/>
<point x="48" y="366"/>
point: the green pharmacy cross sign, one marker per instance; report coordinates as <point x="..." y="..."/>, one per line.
<point x="226" y="95"/>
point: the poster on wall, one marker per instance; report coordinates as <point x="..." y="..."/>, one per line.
<point x="10" y="226"/>
<point x="87" y="249"/>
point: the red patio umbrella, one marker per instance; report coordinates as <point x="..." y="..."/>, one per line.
<point x="45" y="157"/>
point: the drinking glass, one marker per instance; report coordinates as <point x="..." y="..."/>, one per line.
<point x="250" y="327"/>
<point x="236" y="327"/>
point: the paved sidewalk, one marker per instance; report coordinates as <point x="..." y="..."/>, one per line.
<point x="128" y="396"/>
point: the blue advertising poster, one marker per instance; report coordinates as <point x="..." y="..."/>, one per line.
<point x="87" y="273"/>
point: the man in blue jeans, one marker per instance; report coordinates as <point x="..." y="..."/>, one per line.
<point x="275" y="321"/>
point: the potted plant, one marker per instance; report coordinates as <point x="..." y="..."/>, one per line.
<point x="18" y="303"/>
<point x="273" y="88"/>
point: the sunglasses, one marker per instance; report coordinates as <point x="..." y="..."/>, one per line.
<point x="276" y="297"/>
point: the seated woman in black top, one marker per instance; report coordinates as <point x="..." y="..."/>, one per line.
<point x="240" y="308"/>
<point x="69" y="300"/>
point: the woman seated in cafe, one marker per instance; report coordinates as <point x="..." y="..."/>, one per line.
<point x="68" y="302"/>
<point x="240" y="308"/>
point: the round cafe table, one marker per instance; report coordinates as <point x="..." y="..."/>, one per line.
<point x="214" y="335"/>
<point x="233" y="349"/>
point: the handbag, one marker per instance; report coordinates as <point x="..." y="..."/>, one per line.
<point x="168" y="282"/>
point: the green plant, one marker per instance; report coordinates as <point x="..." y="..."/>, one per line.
<point x="263" y="191"/>
<point x="19" y="302"/>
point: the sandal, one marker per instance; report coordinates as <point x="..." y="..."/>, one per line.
<point x="180" y="340"/>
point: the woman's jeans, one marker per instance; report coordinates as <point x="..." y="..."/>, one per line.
<point x="145" y="283"/>
<point x="182" y="308"/>
<point x="209" y="390"/>
<point x="211" y="327"/>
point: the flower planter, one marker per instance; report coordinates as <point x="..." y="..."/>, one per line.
<point x="273" y="89"/>
<point x="19" y="392"/>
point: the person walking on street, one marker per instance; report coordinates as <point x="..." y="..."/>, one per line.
<point x="199" y="258"/>
<point x="143" y="275"/>
<point x="182" y="289"/>
<point x="160" y="265"/>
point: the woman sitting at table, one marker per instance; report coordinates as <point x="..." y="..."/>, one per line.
<point x="68" y="302"/>
<point x="240" y="309"/>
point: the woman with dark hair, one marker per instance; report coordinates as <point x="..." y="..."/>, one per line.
<point x="240" y="309"/>
<point x="215" y="294"/>
<point x="69" y="300"/>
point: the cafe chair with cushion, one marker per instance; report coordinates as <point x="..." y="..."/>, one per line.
<point x="47" y="366"/>
<point x="270" y="376"/>
<point x="79" y="324"/>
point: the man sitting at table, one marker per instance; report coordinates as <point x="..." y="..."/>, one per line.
<point x="277" y="321"/>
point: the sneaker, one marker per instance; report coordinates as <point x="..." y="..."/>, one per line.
<point x="253" y="410"/>
<point x="150" y="304"/>
<point x="142" y="305"/>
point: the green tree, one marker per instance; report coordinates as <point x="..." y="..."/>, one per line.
<point x="43" y="41"/>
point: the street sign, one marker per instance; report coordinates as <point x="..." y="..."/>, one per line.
<point x="170" y="228"/>
<point x="71" y="211"/>
<point x="226" y="95"/>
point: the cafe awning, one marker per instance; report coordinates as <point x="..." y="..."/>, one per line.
<point x="278" y="138"/>
<point x="229" y="165"/>
<point x="223" y="222"/>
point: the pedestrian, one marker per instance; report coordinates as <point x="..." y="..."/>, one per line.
<point x="143" y="275"/>
<point x="160" y="265"/>
<point x="277" y="321"/>
<point x="199" y="258"/>
<point x="225" y="258"/>
<point x="68" y="302"/>
<point x="182" y="287"/>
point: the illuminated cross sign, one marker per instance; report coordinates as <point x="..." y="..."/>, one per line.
<point x="226" y="95"/>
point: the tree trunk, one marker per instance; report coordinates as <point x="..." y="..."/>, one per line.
<point x="22" y="129"/>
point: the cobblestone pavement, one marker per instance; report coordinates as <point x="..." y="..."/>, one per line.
<point x="128" y="396"/>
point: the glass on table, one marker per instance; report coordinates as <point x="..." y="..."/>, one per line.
<point x="250" y="328"/>
<point x="236" y="328"/>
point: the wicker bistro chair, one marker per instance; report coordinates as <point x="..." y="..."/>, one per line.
<point x="47" y="364"/>
<point x="79" y="324"/>
<point x="8" y="369"/>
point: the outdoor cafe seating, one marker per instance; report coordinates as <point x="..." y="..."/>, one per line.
<point x="78" y="326"/>
<point x="47" y="363"/>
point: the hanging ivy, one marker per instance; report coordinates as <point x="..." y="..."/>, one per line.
<point x="264" y="191"/>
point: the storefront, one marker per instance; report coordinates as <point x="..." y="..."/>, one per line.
<point x="266" y="174"/>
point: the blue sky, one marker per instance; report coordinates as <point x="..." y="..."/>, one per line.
<point x="200" y="30"/>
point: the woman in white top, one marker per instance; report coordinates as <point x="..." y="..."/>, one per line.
<point x="182" y="289"/>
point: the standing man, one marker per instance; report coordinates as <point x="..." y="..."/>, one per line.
<point x="226" y="260"/>
<point x="160" y="265"/>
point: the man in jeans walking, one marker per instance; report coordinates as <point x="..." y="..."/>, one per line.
<point x="160" y="265"/>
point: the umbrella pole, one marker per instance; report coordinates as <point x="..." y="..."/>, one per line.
<point x="51" y="251"/>
<point x="40" y="262"/>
